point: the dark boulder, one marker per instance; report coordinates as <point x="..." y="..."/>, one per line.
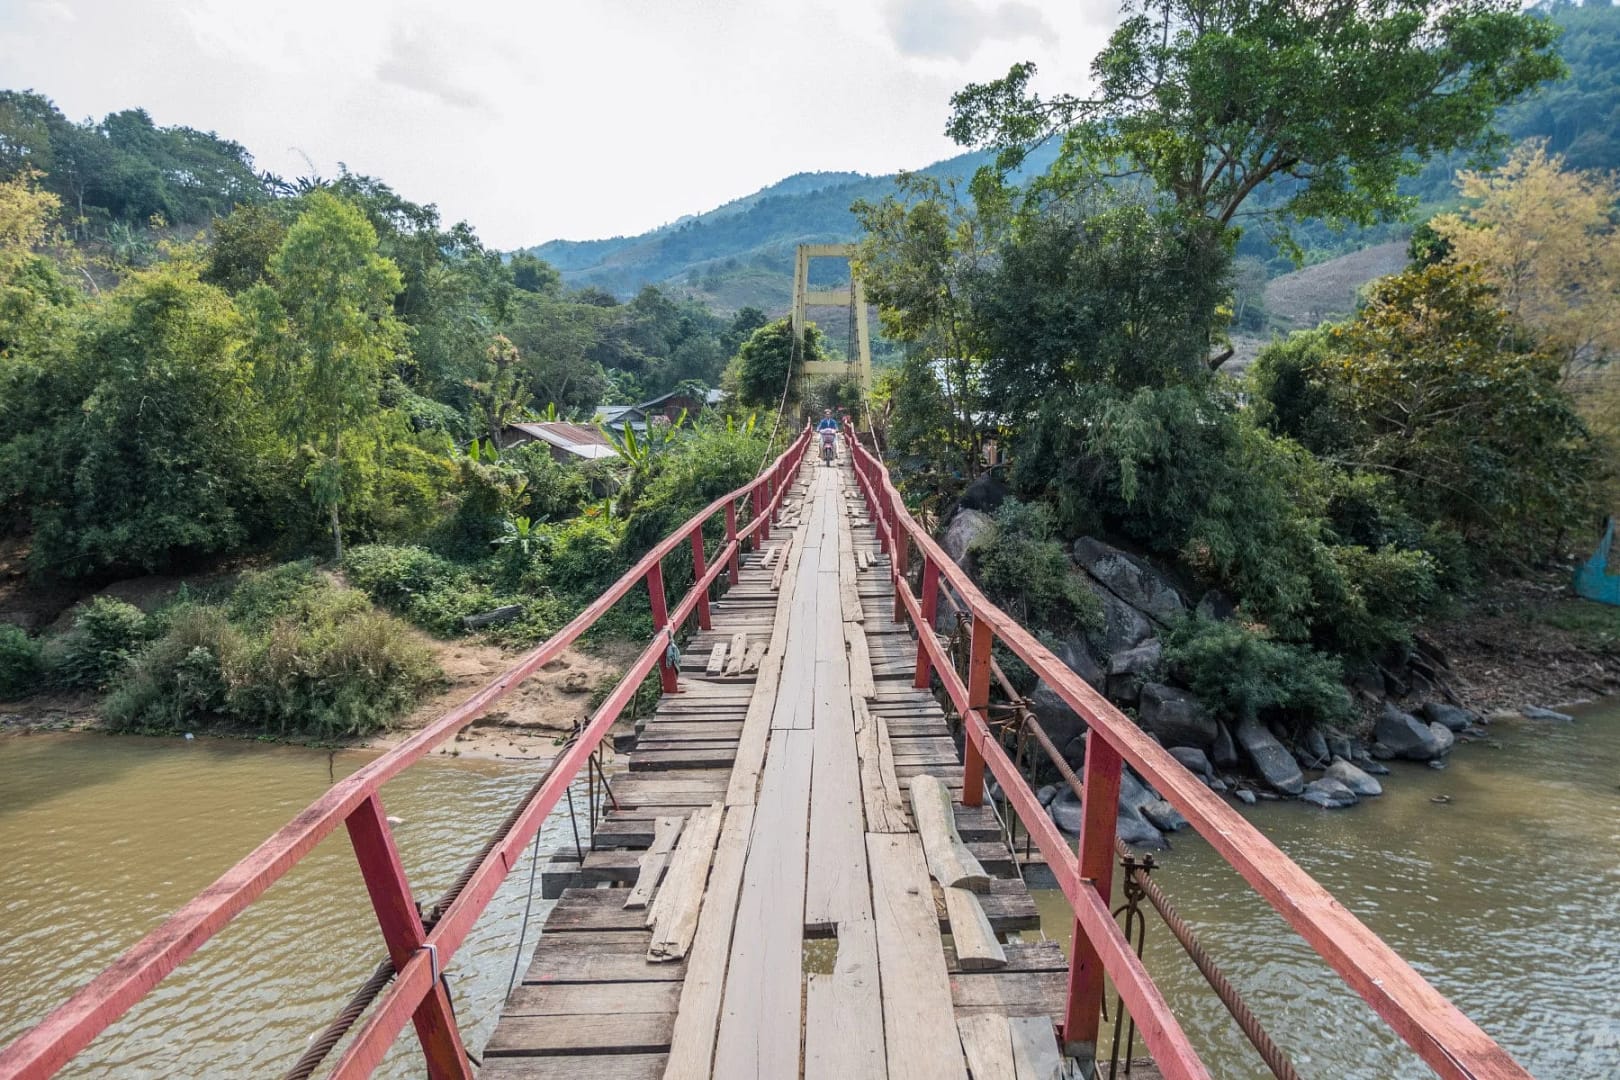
<point x="1328" y="794"/>
<point x="1194" y="761"/>
<point x="1313" y="750"/>
<point x="1062" y="724"/>
<point x="1066" y="811"/>
<point x="1270" y="758"/>
<point x="1176" y="717"/>
<point x="985" y="494"/>
<point x="1403" y="735"/>
<point x="1244" y="795"/>
<point x="967" y="528"/>
<point x="1216" y="605"/>
<point x="1353" y="778"/>
<point x="1130" y="669"/>
<point x="1132" y="580"/>
<point x="1443" y="738"/>
<point x="1123" y="627"/>
<point x="1453" y="717"/>
<point x="1224" y="751"/>
<point x="1162" y="816"/>
<point x="1536" y="712"/>
<point x="1076" y="656"/>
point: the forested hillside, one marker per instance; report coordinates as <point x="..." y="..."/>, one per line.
<point x="741" y="253"/>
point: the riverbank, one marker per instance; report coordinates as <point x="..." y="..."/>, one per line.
<point x="527" y="725"/>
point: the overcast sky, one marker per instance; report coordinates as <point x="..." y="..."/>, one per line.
<point x="548" y="119"/>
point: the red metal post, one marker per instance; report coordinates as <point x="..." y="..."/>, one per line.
<point x="699" y="566"/>
<point x="668" y="673"/>
<point x="1099" y="810"/>
<point x="930" y="605"/>
<point x="978" y="684"/>
<point x="731" y="541"/>
<point x="402" y="930"/>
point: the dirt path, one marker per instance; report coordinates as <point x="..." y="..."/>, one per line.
<point x="528" y="723"/>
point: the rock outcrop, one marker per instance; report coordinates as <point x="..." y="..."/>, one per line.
<point x="1271" y="760"/>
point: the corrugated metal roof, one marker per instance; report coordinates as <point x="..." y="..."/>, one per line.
<point x="582" y="440"/>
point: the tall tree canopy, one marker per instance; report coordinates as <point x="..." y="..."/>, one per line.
<point x="1215" y="100"/>
<point x="326" y="330"/>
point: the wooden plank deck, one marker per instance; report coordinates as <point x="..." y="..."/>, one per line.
<point x="821" y="944"/>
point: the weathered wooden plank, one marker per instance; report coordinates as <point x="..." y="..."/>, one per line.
<point x="836" y="888"/>
<point x="673" y="916"/>
<point x="880" y="790"/>
<point x="756" y="653"/>
<point x="575" y="958"/>
<point x="736" y="653"/>
<point x="630" y="1033"/>
<point x="586" y="910"/>
<point x="1021" y="956"/>
<point x="593" y="999"/>
<point x="653" y="862"/>
<point x="1035" y="1049"/>
<point x="1023" y="993"/>
<point x="949" y="860"/>
<point x="717" y="659"/>
<point x="1007" y="905"/>
<point x="976" y="946"/>
<point x="574" y="1066"/>
<point x="692" y="1042"/>
<point x="843" y="1018"/>
<point x="916" y="990"/>
<point x="759" y="1018"/>
<point x="860" y="663"/>
<point x="987" y="1045"/>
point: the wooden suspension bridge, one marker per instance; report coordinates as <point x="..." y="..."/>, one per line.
<point x="799" y="873"/>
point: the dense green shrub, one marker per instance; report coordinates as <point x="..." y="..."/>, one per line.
<point x="21" y="664"/>
<point x="262" y="595"/>
<point x="1026" y="570"/>
<point x="437" y="595"/>
<point x="107" y="635"/>
<point x="1240" y="673"/>
<point x="327" y="665"/>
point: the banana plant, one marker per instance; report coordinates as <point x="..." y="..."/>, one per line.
<point x="521" y="531"/>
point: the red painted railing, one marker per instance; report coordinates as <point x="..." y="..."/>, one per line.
<point x="417" y="993"/>
<point x="1453" y="1045"/>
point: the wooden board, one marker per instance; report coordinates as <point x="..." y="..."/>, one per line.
<point x="843" y="1019"/>
<point x="860" y="662"/>
<point x="573" y="1066"/>
<point x="717" y="659"/>
<point x="665" y="830"/>
<point x="759" y="1016"/>
<point x="736" y="653"/>
<point x="976" y="946"/>
<point x="836" y="886"/>
<point x="880" y="789"/>
<point x="949" y="860"/>
<point x="692" y="1041"/>
<point x="673" y="916"/>
<point x="756" y="653"/>
<point x="916" y="988"/>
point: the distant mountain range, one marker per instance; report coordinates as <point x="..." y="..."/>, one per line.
<point x="741" y="253"/>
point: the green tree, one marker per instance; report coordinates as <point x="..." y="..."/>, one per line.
<point x="496" y="392"/>
<point x="758" y="375"/>
<point x="534" y="275"/>
<point x="326" y="329"/>
<point x="149" y="446"/>
<point x="918" y="259"/>
<point x="1323" y="109"/>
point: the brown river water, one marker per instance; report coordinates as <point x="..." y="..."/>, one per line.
<point x="1507" y="897"/>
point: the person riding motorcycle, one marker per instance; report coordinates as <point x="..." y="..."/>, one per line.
<point x="828" y="430"/>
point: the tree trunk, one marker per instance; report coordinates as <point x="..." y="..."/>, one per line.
<point x="337" y="535"/>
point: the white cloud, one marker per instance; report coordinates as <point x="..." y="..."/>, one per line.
<point x="544" y="119"/>
<point x="957" y="28"/>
